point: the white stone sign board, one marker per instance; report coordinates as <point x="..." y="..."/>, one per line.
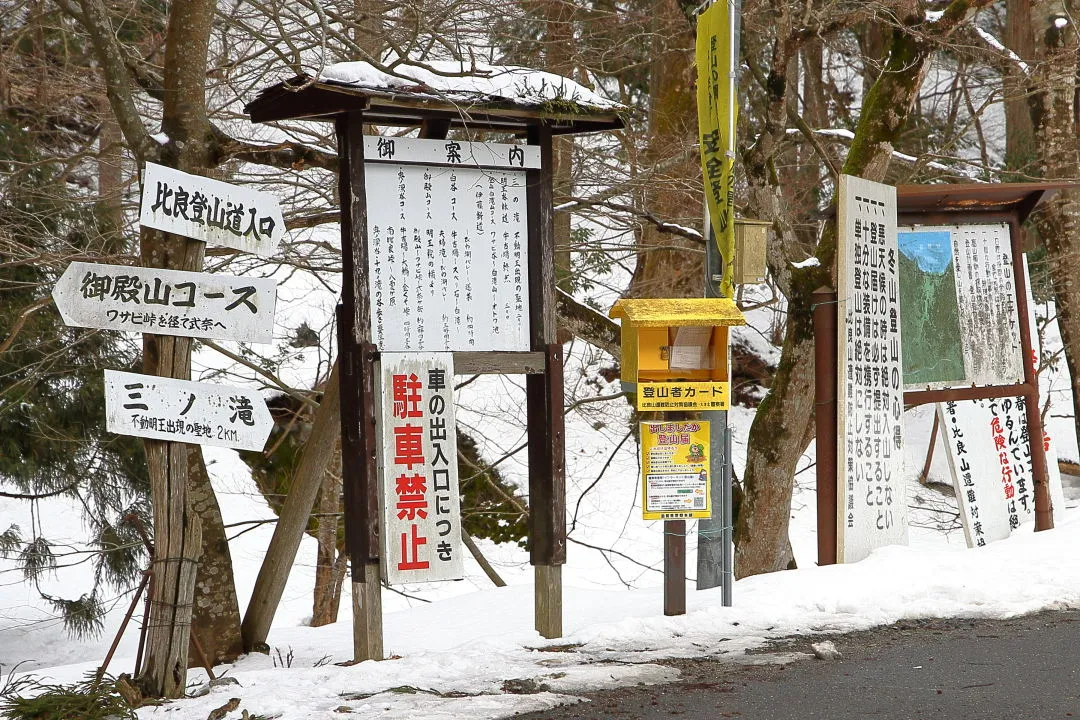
<point x="210" y="210"/>
<point x="872" y="506"/>
<point x="167" y="302"/>
<point x="418" y="468"/>
<point x="448" y="258"/>
<point x="183" y="411"/>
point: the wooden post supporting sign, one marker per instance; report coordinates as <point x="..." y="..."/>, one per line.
<point x="674" y="567"/>
<point x="825" y="374"/>
<point x="544" y="400"/>
<point x="357" y="355"/>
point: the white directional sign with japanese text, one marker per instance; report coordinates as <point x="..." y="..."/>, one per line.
<point x="872" y="502"/>
<point x="184" y="411"/>
<point x="167" y="302"/>
<point x="210" y="210"/>
<point x="418" y="468"/>
<point x="448" y="245"/>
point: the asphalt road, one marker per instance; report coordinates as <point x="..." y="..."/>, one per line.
<point x="1015" y="669"/>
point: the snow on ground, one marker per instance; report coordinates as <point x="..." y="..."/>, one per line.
<point x="471" y="644"/>
<point x="452" y="656"/>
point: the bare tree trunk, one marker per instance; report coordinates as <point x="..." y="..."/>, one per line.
<point x="329" y="555"/>
<point x="308" y="479"/>
<point x="1020" y="152"/>
<point x="559" y="17"/>
<point x="110" y="170"/>
<point x="177" y="531"/>
<point x="1056" y="134"/>
<point x="215" y="625"/>
<point x="668" y="266"/>
<point x="780" y="430"/>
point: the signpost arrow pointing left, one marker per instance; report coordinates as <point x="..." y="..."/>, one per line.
<point x="167" y="302"/>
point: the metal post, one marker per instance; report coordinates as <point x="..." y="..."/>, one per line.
<point x="726" y="540"/>
<point x="714" y="534"/>
<point x="825" y="380"/>
<point x="715" y="562"/>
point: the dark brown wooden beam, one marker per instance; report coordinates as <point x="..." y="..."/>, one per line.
<point x="987" y="392"/>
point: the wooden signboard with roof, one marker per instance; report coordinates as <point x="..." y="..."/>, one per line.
<point x="510" y="328"/>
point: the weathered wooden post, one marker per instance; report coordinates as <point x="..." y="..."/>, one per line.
<point x="825" y="373"/>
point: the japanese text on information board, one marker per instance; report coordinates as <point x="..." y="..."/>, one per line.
<point x="872" y="509"/>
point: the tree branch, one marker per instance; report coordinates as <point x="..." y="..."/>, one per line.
<point x="584" y="322"/>
<point x="118" y="81"/>
<point x="262" y="371"/>
<point x="281" y="155"/>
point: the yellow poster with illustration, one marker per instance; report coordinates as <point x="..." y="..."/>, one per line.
<point x="675" y="470"/>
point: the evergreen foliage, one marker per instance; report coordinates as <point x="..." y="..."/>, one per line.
<point x="52" y="415"/>
<point x="91" y="699"/>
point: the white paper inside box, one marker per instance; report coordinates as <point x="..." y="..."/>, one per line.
<point x="690" y="348"/>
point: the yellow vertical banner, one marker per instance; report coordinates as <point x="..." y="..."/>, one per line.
<point x="717" y="115"/>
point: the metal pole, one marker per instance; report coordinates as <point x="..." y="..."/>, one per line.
<point x="825" y="380"/>
<point x="715" y="562"/>
<point x="728" y="561"/>
<point x="714" y="534"/>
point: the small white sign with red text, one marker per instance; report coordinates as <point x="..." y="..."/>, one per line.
<point x="418" y="468"/>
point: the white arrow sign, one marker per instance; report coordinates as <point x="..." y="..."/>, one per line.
<point x="183" y="411"/>
<point x="167" y="302"/>
<point x="210" y="210"/>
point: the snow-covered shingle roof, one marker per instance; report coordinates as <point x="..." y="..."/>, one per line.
<point x="455" y="81"/>
<point x="497" y="97"/>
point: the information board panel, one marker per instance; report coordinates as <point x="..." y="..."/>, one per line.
<point x="675" y="470"/>
<point x="448" y="258"/>
<point x="872" y="506"/>
<point x="990" y="458"/>
<point x="418" y="468"/>
<point x="989" y="451"/>
<point x="958" y="306"/>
